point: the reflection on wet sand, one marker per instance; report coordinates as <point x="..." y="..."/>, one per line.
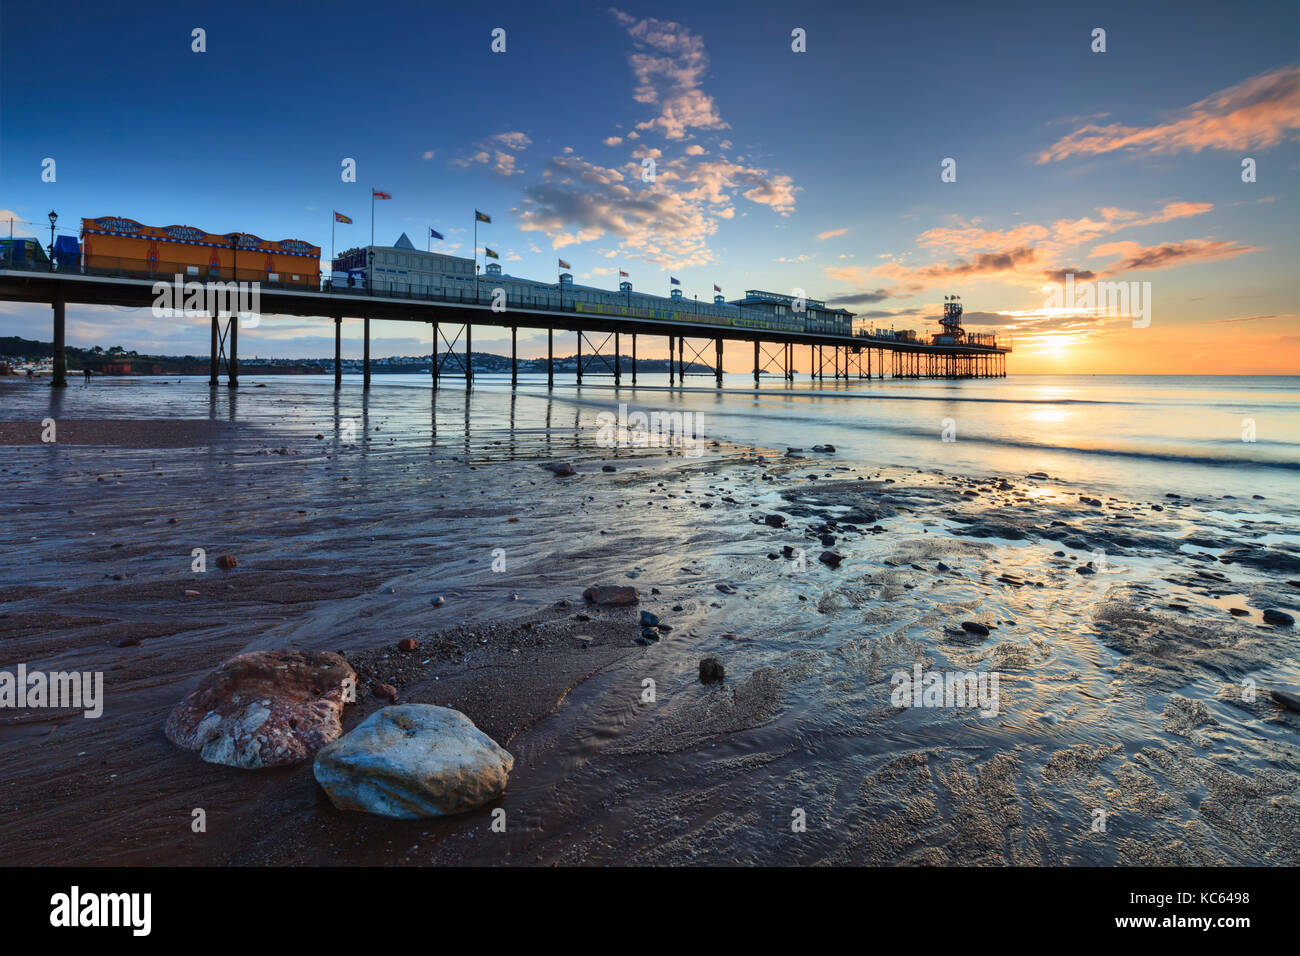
<point x="1123" y="680"/>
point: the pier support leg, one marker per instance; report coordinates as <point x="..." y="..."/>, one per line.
<point x="672" y="369"/>
<point x="579" y="357"/>
<point x="681" y="360"/>
<point x="338" y="352"/>
<point x="60" y="356"/>
<point x="514" y="356"/>
<point x="717" y="368"/>
<point x="756" y="363"/>
<point x="232" y="379"/>
<point x="434" y="364"/>
<point x="618" y="362"/>
<point x="634" y="359"/>
<point x="365" y="353"/>
<point x="550" y="358"/>
<point x="215" y="369"/>
<point x="469" y="357"/>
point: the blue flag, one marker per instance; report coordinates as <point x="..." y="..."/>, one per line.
<point x="674" y="281"/>
<point x="435" y="234"/>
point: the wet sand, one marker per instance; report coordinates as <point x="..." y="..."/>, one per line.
<point x="1120" y="690"/>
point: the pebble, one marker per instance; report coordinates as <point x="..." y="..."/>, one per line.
<point x="711" y="670"/>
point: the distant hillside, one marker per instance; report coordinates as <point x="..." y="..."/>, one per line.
<point x="118" y="361"/>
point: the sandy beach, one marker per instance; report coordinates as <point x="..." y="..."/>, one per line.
<point x="1123" y="630"/>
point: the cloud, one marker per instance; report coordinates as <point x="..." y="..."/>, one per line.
<point x="18" y="223"/>
<point x="1168" y="255"/>
<point x="613" y="140"/>
<point x="1256" y="113"/>
<point x="862" y="298"/>
<point x="881" y="313"/>
<point x="1059" y="275"/>
<point x="666" y="219"/>
<point x="515" y="141"/>
<point x="831" y="234"/>
<point x="496" y="151"/>
<point x="668" y="64"/>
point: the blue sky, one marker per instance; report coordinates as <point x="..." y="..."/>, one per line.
<point x="775" y="169"/>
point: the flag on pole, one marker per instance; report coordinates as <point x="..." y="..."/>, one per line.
<point x="435" y="234"/>
<point x="481" y="216"/>
<point x="622" y="274"/>
<point x="673" y="281"/>
<point x="380" y="194"/>
<point x="717" y="288"/>
<point x="339" y="217"/>
<point x="489" y="253"/>
<point x="565" y="265"/>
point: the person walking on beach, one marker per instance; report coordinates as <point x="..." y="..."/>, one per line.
<point x="86" y="372"/>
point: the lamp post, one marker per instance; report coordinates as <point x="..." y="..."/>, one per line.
<point x="54" y="217"/>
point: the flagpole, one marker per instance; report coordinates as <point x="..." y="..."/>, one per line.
<point x="475" y="256"/>
<point x="372" y="215"/>
<point x="333" y="219"/>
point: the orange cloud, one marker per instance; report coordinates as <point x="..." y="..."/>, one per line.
<point x="1258" y="112"/>
<point x="1169" y="254"/>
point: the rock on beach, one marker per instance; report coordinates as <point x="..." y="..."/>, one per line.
<point x="263" y="709"/>
<point x="413" y="761"/>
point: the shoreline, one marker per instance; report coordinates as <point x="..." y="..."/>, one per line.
<point x="1109" y="696"/>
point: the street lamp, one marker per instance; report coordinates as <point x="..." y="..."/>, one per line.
<point x="54" y="217"/>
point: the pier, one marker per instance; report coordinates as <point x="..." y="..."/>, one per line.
<point x="599" y="335"/>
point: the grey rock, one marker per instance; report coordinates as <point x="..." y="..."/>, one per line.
<point x="413" y="761"/>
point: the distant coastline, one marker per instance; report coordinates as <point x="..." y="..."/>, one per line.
<point x="17" y="352"/>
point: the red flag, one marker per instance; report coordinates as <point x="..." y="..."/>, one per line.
<point x="717" y="289"/>
<point x="622" y="274"/>
<point x="376" y="194"/>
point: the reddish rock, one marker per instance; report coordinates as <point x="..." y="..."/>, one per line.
<point x="407" y="644"/>
<point x="387" y="691"/>
<point x="227" y="561"/>
<point x="264" y="709"/>
<point x="611" y="595"/>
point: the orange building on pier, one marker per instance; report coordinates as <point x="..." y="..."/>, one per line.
<point x="124" y="245"/>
